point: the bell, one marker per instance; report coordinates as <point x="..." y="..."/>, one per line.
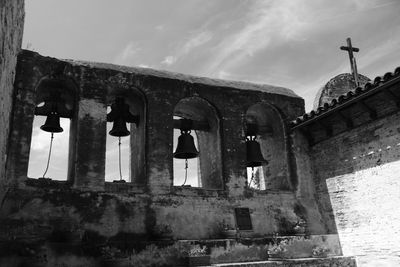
<point x="119" y="128"/>
<point x="254" y="155"/>
<point x="52" y="123"/>
<point x="186" y="148"/>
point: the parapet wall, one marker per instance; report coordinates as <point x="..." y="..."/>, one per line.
<point x="155" y="96"/>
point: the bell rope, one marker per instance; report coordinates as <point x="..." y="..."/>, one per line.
<point x="186" y="170"/>
<point x="48" y="160"/>
<point x="119" y="157"/>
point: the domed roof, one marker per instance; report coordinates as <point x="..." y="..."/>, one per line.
<point x="339" y="85"/>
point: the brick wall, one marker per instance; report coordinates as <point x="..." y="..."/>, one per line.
<point x="11" y="28"/>
<point x="358" y="187"/>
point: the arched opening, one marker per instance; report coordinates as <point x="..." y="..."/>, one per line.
<point x="39" y="152"/>
<point x="50" y="148"/>
<point x="132" y="147"/>
<point x="189" y="174"/>
<point x="117" y="154"/>
<point x="205" y="130"/>
<point x="271" y="135"/>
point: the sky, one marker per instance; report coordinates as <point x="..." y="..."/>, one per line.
<point x="289" y="43"/>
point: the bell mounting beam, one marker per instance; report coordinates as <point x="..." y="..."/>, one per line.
<point x="45" y="110"/>
<point x="255" y="129"/>
<point x="120" y="109"/>
<point x="251" y="129"/>
<point x="187" y="124"/>
<point x="54" y="103"/>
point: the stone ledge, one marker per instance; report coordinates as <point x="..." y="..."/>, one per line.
<point x="196" y="191"/>
<point x="112" y="187"/>
<point x="338" y="261"/>
<point x="47" y="183"/>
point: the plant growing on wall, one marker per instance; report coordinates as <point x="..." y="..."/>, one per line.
<point x="163" y="231"/>
<point x="158" y="256"/>
<point x="197" y="251"/>
<point x="277" y="250"/>
<point x="298" y="247"/>
<point x="227" y="230"/>
<point x="197" y="256"/>
<point x="237" y="252"/>
<point x="320" y="252"/>
<point x="300" y="227"/>
<point x="109" y="252"/>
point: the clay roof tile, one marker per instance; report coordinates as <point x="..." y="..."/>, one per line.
<point x="349" y="95"/>
<point x="388" y="76"/>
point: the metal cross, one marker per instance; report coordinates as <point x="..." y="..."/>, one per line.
<point x="353" y="63"/>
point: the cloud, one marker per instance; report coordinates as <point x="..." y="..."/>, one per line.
<point x="128" y="53"/>
<point x="379" y="52"/>
<point x="370" y="4"/>
<point x="169" y="60"/>
<point x="264" y="21"/>
<point x="270" y="25"/>
<point x="224" y="75"/>
<point x="160" y="27"/>
<point x="196" y="40"/>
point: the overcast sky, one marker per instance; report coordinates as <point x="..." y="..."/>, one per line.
<point x="289" y="43"/>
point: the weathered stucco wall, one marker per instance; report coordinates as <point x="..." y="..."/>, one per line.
<point x="162" y="94"/>
<point x="358" y="187"/>
<point x="48" y="223"/>
<point x="86" y="210"/>
<point x="11" y="28"/>
<point x="196" y="216"/>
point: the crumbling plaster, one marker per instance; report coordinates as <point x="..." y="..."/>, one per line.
<point x="190" y="212"/>
<point x="11" y="21"/>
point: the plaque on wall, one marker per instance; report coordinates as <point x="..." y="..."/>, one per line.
<point x="243" y="219"/>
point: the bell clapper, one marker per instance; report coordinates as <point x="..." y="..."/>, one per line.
<point x="48" y="160"/>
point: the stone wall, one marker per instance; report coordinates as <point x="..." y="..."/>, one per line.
<point x="95" y="83"/>
<point x="139" y="209"/>
<point x="11" y="21"/>
<point x="189" y="215"/>
<point x="357" y="184"/>
<point x="51" y="223"/>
